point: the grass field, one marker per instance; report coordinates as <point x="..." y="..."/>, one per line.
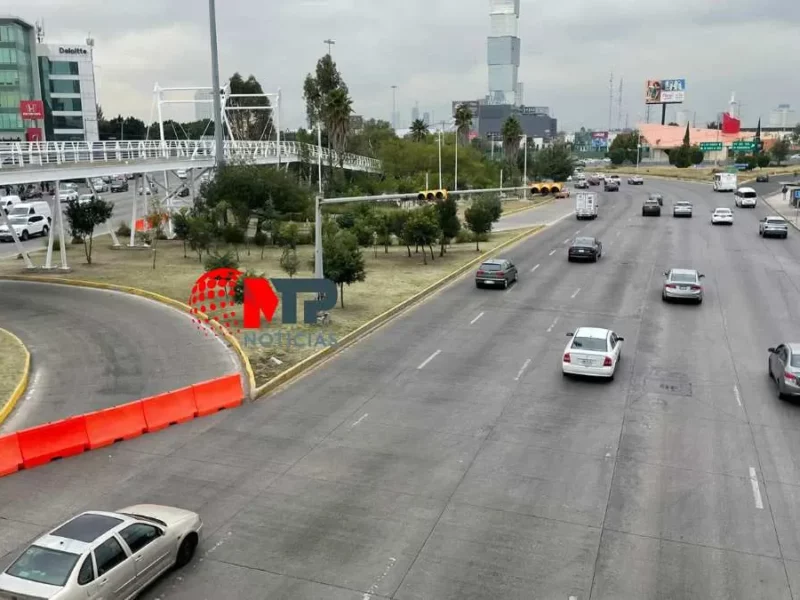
<point x="391" y="278"/>
<point x="12" y="363"/>
<point x="704" y="174"/>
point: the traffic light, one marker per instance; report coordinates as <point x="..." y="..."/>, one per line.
<point x="432" y="195"/>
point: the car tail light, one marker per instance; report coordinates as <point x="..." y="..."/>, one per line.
<point x="567" y="358"/>
<point x="607" y="362"/>
<point x="671" y="286"/>
<point x="501" y="274"/>
<point x="790" y="376"/>
<point x="696" y="288"/>
<point x="480" y="272"/>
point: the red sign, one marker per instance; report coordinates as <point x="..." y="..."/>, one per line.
<point x="31" y="109"/>
<point x="33" y="134"/>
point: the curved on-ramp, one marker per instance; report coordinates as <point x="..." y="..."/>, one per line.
<point x="93" y="349"/>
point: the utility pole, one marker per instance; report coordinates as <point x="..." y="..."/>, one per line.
<point x="394" y="107"/>
<point x="216" y="91"/>
<point x="610" y="98"/>
<point x="619" y="105"/>
<point x="330" y="43"/>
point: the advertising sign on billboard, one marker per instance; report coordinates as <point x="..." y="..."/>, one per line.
<point x="33" y="134"/>
<point x="665" y="91"/>
<point x="599" y="139"/>
<point x="31" y="109"/>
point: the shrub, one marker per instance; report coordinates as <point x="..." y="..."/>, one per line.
<point x="123" y="230"/>
<point x="221" y="261"/>
<point x="464" y="236"/>
<point x="305" y="238"/>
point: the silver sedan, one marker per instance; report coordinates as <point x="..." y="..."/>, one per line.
<point x="682" y="284"/>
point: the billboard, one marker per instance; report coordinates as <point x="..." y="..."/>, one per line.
<point x="665" y="91"/>
<point x="33" y="134"/>
<point x="472" y="105"/>
<point x="599" y="140"/>
<point x="31" y="109"/>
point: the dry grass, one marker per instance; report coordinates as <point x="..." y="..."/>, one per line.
<point x="12" y="364"/>
<point x="391" y="278"/>
<point x="704" y="174"/>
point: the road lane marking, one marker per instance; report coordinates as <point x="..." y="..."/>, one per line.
<point x="756" y="491"/>
<point x="522" y="370"/>
<point x="576" y="293"/>
<point x="364" y="416"/>
<point x="475" y="320"/>
<point x="534" y="268"/>
<point x="737" y="395"/>
<point x="552" y="252"/>
<point x="553" y="324"/>
<point x="429" y="359"/>
<point x="566" y="241"/>
<point x="559" y="219"/>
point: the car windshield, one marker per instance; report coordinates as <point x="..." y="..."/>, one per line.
<point x="723" y="211"/>
<point x="587" y="343"/>
<point x="683" y="277"/>
<point x="683" y="204"/>
<point x="583" y="241"/>
<point x="86" y="197"/>
<point x="43" y="565"/>
<point x="490" y="267"/>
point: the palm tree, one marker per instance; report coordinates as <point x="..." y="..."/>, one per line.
<point x="419" y="130"/>
<point x="338" y="108"/>
<point x="512" y="132"/>
<point x="463" y="120"/>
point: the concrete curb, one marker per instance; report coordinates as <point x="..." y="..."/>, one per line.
<point x="375" y="323"/>
<point x="230" y="338"/>
<point x="12" y="400"/>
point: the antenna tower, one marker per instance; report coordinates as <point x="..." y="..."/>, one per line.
<point x="619" y="105"/>
<point x="610" y="98"/>
<point x="40" y="31"/>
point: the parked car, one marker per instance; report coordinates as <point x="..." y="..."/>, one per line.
<point x="682" y="208"/>
<point x="592" y="352"/>
<point x="68" y="195"/>
<point x="635" y="180"/>
<point x="773" y="227"/>
<point x="119" y="185"/>
<point x="496" y="272"/>
<point x="682" y="284"/>
<point x="109" y="555"/>
<point x="784" y="368"/>
<point x="651" y="208"/>
<point x="99" y="186"/>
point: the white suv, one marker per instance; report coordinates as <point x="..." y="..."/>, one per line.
<point x="25" y="226"/>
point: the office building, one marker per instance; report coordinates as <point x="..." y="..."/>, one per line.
<point x="426" y="118"/>
<point x="414" y="113"/>
<point x="19" y="77"/>
<point x="503" y="52"/>
<point x="536" y="121"/>
<point x="783" y="116"/>
<point x="68" y="92"/>
<point x="204" y="106"/>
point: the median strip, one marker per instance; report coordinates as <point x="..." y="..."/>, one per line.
<point x="15" y="365"/>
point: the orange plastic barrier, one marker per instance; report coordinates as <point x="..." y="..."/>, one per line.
<point x="169" y="409"/>
<point x="10" y="454"/>
<point x="141" y="225"/>
<point x="60" y="439"/>
<point x="111" y="425"/>
<point x="218" y="394"/>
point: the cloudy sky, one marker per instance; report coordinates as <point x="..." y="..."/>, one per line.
<point x="435" y="51"/>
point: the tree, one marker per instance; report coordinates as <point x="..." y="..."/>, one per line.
<point x="317" y="88"/>
<point x="100" y="115"/>
<point x="512" y="133"/>
<point x="343" y="261"/>
<point x="369" y="140"/>
<point x="156" y="219"/>
<point x="234" y="235"/>
<point x="260" y="239"/>
<point x="289" y="261"/>
<point x="255" y="124"/>
<point x="555" y="162"/>
<point x="201" y="235"/>
<point x="672" y="124"/>
<point x="180" y="226"/>
<point x="796" y="134"/>
<point x="628" y="143"/>
<point x="422" y="228"/>
<point x="419" y="130"/>
<point x="763" y="160"/>
<point x="449" y="225"/>
<point x="398" y="227"/>
<point x="383" y="227"/>
<point x="336" y="111"/>
<point x="780" y="150"/>
<point x="289" y="235"/>
<point x="617" y="156"/>
<point x="696" y="156"/>
<point x="479" y="217"/>
<point x="463" y="122"/>
<point x="713" y="125"/>
<point x="84" y="218"/>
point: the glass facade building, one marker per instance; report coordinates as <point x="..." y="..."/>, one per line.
<point x="503" y="50"/>
<point x="68" y="92"/>
<point x="18" y="75"/>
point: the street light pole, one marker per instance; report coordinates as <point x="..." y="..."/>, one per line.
<point x="394" y="107"/>
<point x="455" y="180"/>
<point x="525" y="160"/>
<point x="440" y="156"/>
<point x="330" y="43"/>
<point x="218" y="139"/>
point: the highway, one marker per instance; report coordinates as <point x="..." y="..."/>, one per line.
<point x="92" y="349"/>
<point x="445" y="457"/>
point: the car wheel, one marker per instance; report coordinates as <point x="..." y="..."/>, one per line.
<point x="505" y="284"/>
<point x="781" y="395"/>
<point x="664" y="297"/>
<point x="699" y="300"/>
<point x="186" y="550"/>
<point x="478" y="285"/>
<point x="45" y="231"/>
<point x="24" y="236"/>
<point x="785" y="235"/>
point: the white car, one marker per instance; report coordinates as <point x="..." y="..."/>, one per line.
<point x="86" y="198"/>
<point x="99" y="186"/>
<point x="592" y="352"/>
<point x="722" y="216"/>
<point x="146" y="190"/>
<point x="109" y="555"/>
<point x="635" y="180"/>
<point x="25" y="226"/>
<point x="181" y="173"/>
<point x="67" y="195"/>
<point x="745" y="197"/>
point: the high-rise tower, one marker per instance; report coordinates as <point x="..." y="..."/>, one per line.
<point x="503" y="52"/>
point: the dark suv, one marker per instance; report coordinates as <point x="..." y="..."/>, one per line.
<point x="119" y="185"/>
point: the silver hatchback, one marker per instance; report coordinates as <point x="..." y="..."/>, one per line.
<point x="682" y="284"/>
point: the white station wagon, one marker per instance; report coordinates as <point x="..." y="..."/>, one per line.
<point x="103" y="555"/>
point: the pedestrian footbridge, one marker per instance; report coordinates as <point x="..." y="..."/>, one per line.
<point x="33" y="162"/>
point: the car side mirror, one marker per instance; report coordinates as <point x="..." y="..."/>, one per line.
<point x="620" y="338"/>
<point x="771" y="350"/>
<point x="570" y="334"/>
<point x="701" y="276"/>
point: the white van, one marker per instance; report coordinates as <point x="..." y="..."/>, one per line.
<point x="725" y="182"/>
<point x="745" y="197"/>
<point x="32" y="208"/>
<point x="6" y="202"/>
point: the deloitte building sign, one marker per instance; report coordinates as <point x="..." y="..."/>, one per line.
<point x="72" y="50"/>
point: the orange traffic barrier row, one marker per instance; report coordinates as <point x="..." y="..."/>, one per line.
<point x="42" y="444"/>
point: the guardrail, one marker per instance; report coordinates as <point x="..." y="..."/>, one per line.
<point x="36" y="446"/>
<point x="39" y="154"/>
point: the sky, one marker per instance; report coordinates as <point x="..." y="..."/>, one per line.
<point x="434" y="51"/>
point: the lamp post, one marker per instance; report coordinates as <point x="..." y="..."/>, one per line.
<point x="440" y="155"/>
<point x="525" y="160"/>
<point x="330" y="43"/>
<point x="394" y="107"/>
<point x="218" y="142"/>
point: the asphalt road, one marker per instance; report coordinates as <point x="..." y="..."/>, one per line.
<point x="446" y="457"/>
<point x="93" y="349"/>
<point x="123" y="207"/>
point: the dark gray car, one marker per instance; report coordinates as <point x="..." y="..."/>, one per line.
<point x="784" y="369"/>
<point x="496" y="272"/>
